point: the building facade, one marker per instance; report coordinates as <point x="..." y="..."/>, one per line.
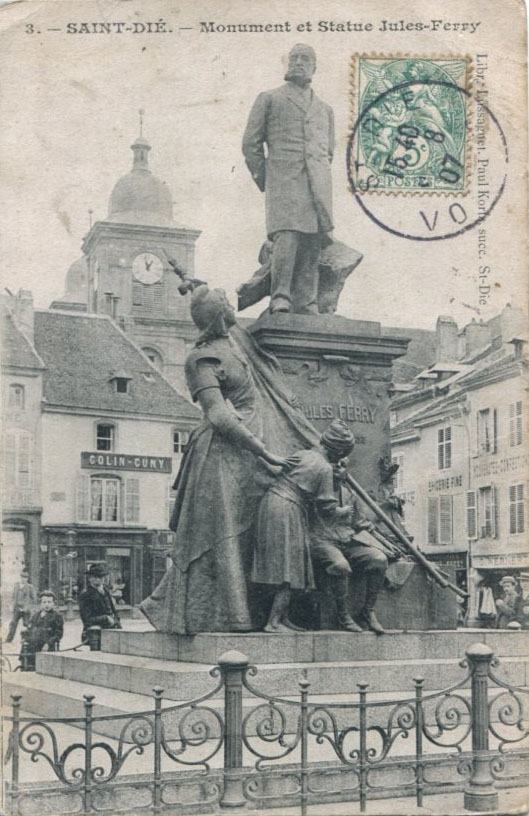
<point x="459" y="435"/>
<point x="113" y="433"/>
<point x="22" y="384"/>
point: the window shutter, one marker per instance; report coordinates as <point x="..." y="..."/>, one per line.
<point x="520" y="508"/>
<point x="494" y="447"/>
<point x="472" y="521"/>
<point x="493" y="511"/>
<point x="132" y="500"/>
<point x="432" y="519"/>
<point x="24" y="460"/>
<point x="445" y="519"/>
<point x="519" y="422"/>
<point x="10" y="454"/>
<point x="83" y="497"/>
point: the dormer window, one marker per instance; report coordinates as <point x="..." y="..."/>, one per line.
<point x="120" y="382"/>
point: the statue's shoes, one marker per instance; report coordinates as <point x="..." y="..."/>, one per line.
<point x="288" y="623"/>
<point x="278" y="628"/>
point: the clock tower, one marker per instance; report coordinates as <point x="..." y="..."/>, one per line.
<point x="129" y="277"/>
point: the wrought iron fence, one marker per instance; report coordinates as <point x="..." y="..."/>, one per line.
<point x="367" y="747"/>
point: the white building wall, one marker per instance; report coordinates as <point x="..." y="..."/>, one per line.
<point x="65" y="436"/>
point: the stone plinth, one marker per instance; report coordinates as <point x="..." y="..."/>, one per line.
<point x="339" y="369"/>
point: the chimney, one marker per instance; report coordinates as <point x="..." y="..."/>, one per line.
<point x="24" y="313"/>
<point x="513" y="323"/>
<point x="446" y="340"/>
<point x="477" y="336"/>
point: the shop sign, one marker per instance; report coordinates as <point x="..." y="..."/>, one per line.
<point x="126" y="461"/>
<point x="445" y="483"/>
<point x="458" y="560"/>
<point x="500" y="560"/>
<point x="493" y="467"/>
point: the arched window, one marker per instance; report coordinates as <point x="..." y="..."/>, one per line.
<point x="16" y="397"/>
<point x="154" y="356"/>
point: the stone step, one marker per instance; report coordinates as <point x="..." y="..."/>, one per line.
<point x="57" y="698"/>
<point x="309" y="647"/>
<point x="183" y="681"/>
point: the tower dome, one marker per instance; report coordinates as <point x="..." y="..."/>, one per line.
<point x="140" y="197"/>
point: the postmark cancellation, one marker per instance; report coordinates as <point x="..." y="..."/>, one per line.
<point x="411" y="123"/>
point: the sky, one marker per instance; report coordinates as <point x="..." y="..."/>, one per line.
<point x="69" y="108"/>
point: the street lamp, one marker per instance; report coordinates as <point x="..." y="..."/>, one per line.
<point x="71" y="536"/>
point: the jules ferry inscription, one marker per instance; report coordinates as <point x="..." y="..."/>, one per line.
<point x="346" y="412"/>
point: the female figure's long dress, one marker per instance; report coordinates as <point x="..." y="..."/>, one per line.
<point x="219" y="487"/>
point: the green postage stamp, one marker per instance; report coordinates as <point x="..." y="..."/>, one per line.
<point x="411" y="119"/>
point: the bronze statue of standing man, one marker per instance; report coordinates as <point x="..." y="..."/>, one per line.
<point x="295" y="175"/>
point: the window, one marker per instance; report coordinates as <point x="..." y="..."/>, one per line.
<point x="398" y="478"/>
<point x="16" y="397"/>
<point x="17" y="458"/>
<point x="104" y="437"/>
<point x="149" y="298"/>
<point x="154" y="356"/>
<point x="122" y="385"/>
<point x="472" y="514"/>
<point x="515" y="423"/>
<point x="180" y="440"/>
<point x="444" y="448"/>
<point x="99" y="499"/>
<point x="487" y="512"/>
<point x="516" y="509"/>
<point x="104" y="499"/>
<point x="132" y="500"/>
<point x="439" y="519"/>
<point x="487" y="430"/>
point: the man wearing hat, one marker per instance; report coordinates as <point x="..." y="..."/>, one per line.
<point x="343" y="549"/>
<point x="24" y="602"/>
<point x="510" y="607"/>
<point x="96" y="605"/>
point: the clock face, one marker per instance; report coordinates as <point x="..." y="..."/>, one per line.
<point x="147" y="268"/>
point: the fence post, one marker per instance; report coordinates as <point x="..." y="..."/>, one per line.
<point x="362" y="756"/>
<point x="87" y="793"/>
<point x="480" y="793"/>
<point x="157" y="799"/>
<point x="304" y="686"/>
<point x="232" y="665"/>
<point x="419" y="725"/>
<point x="15" y="749"/>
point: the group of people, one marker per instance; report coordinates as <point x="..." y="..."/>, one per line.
<point x="43" y="624"/>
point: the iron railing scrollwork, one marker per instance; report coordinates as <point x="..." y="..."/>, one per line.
<point x="280" y="750"/>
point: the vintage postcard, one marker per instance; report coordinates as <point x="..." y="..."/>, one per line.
<point x="264" y="407"/>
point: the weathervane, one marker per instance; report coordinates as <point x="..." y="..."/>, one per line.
<point x="141" y="112"/>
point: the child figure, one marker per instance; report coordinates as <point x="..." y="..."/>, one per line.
<point x="282" y="552"/>
<point x="45" y="629"/>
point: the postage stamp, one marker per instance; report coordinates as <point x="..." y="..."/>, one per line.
<point x="411" y="124"/>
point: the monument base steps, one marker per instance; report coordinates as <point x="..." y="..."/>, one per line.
<point x="123" y="675"/>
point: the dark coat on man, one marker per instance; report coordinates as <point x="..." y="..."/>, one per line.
<point x="95" y="606"/>
<point x="45" y="628"/>
<point x="296" y="173"/>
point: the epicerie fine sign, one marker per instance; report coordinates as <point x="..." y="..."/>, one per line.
<point x="126" y="461"/>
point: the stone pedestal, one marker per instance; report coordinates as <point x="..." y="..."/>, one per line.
<point x="339" y="369"/>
